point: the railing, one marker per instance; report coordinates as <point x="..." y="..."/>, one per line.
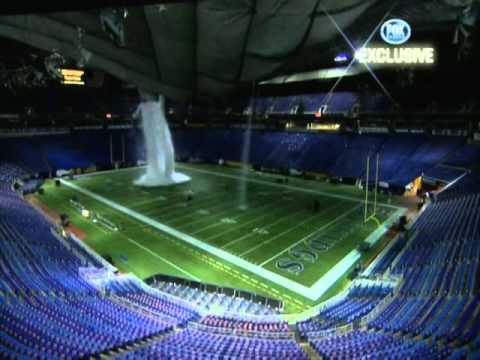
<point x="400" y="254"/>
<point x="313" y="311"/>
<point x="334" y="331"/>
<point x="382" y="305"/>
<point x="242" y="332"/>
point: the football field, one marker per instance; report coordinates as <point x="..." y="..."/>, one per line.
<point x="293" y="240"/>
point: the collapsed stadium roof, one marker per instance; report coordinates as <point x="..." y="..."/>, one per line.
<point x="209" y="47"/>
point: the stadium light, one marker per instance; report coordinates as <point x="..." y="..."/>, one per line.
<point x="341" y="58"/>
<point x="72" y="76"/>
<point x="72" y="82"/>
<point x="324" y="126"/>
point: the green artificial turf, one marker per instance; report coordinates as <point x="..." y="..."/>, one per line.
<point x="278" y="218"/>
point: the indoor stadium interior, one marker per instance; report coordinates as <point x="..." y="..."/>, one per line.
<point x="240" y="179"/>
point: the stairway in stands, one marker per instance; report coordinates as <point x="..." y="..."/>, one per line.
<point x="139" y="344"/>
<point x="312" y="354"/>
<point x="305" y="345"/>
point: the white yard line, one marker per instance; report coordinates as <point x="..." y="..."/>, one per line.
<point x="228" y="208"/>
<point x="213" y="212"/>
<point x="268" y="241"/>
<point x="246" y="213"/>
<point x="311" y="234"/>
<point x="148" y="201"/>
<point x="193" y="277"/>
<point x="172" y="208"/>
<point x="280" y="280"/>
<point x="256" y="219"/>
<point x="283" y="186"/>
<point x="273" y="224"/>
<point x="264" y="227"/>
<point x="313" y="293"/>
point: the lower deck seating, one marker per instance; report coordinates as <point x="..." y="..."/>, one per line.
<point x="273" y="326"/>
<point x="214" y="300"/>
<point x="72" y="327"/>
<point x="48" y="311"/>
<point x="358" y="303"/>
<point x="154" y="301"/>
<point x="365" y="345"/>
<point x="201" y="345"/>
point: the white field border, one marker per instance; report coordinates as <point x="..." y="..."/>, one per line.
<point x="315" y="292"/>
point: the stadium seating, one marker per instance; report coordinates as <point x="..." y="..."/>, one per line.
<point x="352" y="162"/>
<point x="196" y="344"/>
<point x="469" y="184"/>
<point x="385" y="261"/>
<point x="443" y="173"/>
<point x="154" y="301"/>
<point x="440" y="267"/>
<point x="438" y="300"/>
<point x="9" y="173"/>
<point x="48" y="310"/>
<point x="263" y="325"/>
<point x="357" y="303"/>
<point x="403" y="157"/>
<point x="71" y="328"/>
<point x="464" y="156"/>
<point x="44" y="154"/>
<point x="214" y="301"/>
<point x="362" y="344"/>
<point x="46" y="306"/>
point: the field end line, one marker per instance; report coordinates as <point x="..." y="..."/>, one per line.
<point x="310" y="293"/>
<point x="294" y="188"/>
<point x="193" y="277"/>
<point x="311" y="234"/>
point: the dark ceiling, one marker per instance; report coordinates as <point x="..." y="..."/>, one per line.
<point x="212" y="47"/>
<point x="41" y="7"/>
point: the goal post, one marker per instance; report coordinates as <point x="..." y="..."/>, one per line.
<point x="373" y="214"/>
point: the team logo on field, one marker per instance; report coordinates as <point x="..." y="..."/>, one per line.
<point x="290" y="266"/>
